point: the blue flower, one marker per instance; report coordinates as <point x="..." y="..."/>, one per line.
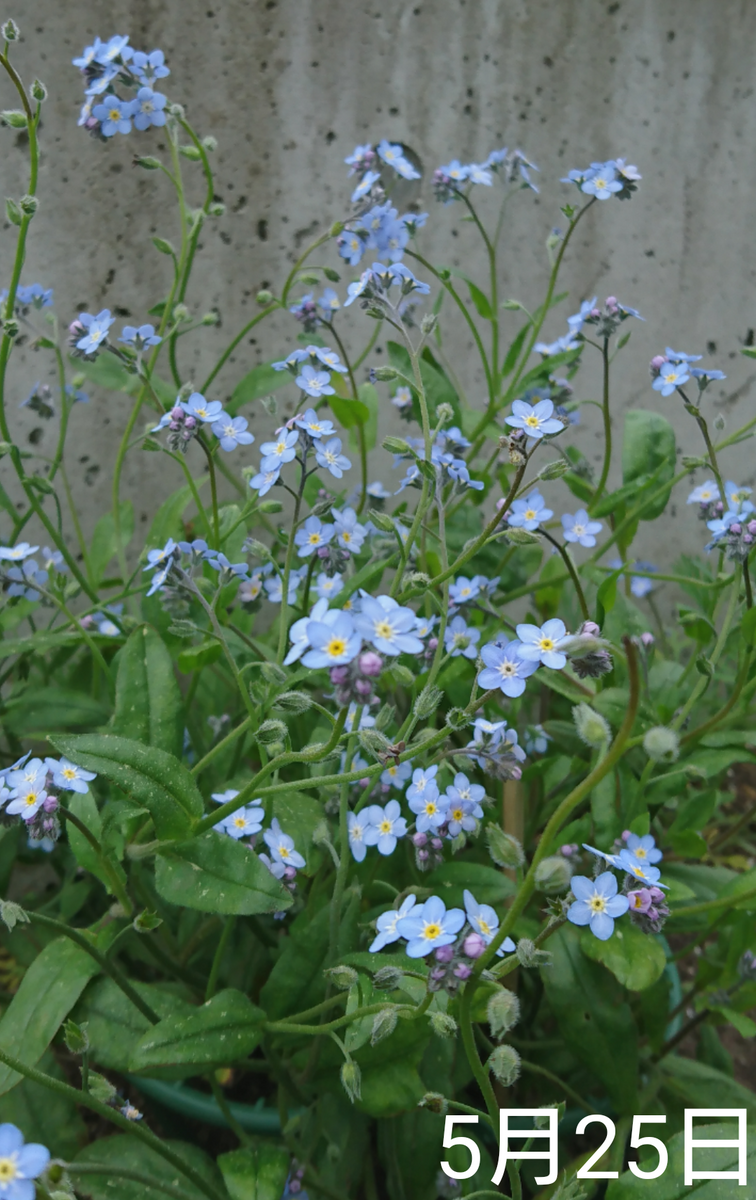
<point x="243" y="823"/>
<point x="705" y="493"/>
<point x="264" y="480"/>
<point x="328" y="455"/>
<point x="349" y="533"/>
<point x="601" y="181"/>
<point x="149" y="67"/>
<point x="351" y="247"/>
<point x="543" y="644"/>
<point x="68" y="776"/>
<point x="396" y="775"/>
<point x="399" y="273"/>
<point x="505" y="668"/>
<point x="232" y="432"/>
<point x="477" y="173"/>
<point x="274" y="587"/>
<point x="329" y="303"/>
<point x="114" y="115"/>
<point x="735" y="494"/>
<point x="312" y="536"/>
<point x="580" y="528"/>
<point x="219" y="562"/>
<point x="275" y="454"/>
<point x="387" y="923"/>
<point x="560" y="346"/>
<point x="327" y="586"/>
<point x="531" y="511"/>
<point x="394" y="157"/>
<point x="19" y="1164"/>
<point x="148" y="109"/>
<point x="421" y="779"/>
<point x="358" y="824"/>
<point x="463" y="590"/>
<point x="485" y="921"/>
<point x="461" y="639"/>
<point x="201" y="409"/>
<point x="460" y="816"/>
<point x="26" y="579"/>
<point x="429" y="807"/>
<point x="53" y="560"/>
<point x="454" y="171"/>
<point x="387" y="626"/>
<point x="139" y="336"/>
<point x="577" y="320"/>
<point x="385" y="826"/>
<point x="535" y="419"/>
<point x="34" y="294"/>
<point x="672" y="375"/>
<point x="644" y="848"/>
<point x="25" y="772"/>
<point x="463" y="790"/>
<point x="365" y="185"/>
<point x="360" y="158"/>
<point x="313" y="424"/>
<point x="315" y="383"/>
<point x="706" y="376"/>
<point x="639" y="868"/>
<point x="281" y="846"/>
<point x="430" y="927"/>
<point x="27" y="800"/>
<point x="17" y="553"/>
<point x="334" y="644"/>
<point x="97" y="330"/>
<point x="159" y="556"/>
<point x="298" y="635"/>
<point x="678" y="356"/>
<point x="597" y="904"/>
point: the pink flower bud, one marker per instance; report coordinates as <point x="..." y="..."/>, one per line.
<point x="590" y="629"/>
<point x="370" y="663"/>
<point x="322" y="552"/>
<point x="566" y="851"/>
<point x="657" y="362"/>
<point x="50" y="804"/>
<point x="86" y="622"/>
<point x="289" y="873"/>
<point x="177" y="413"/>
<point x="363" y="688"/>
<point x="444" y="954"/>
<point x="515" y="772"/>
<point x="433" y="645"/>
<point x="611" y="304"/>
<point x="190" y="423"/>
<point x="437" y="844"/>
<point x="736" y="528"/>
<point x="422" y="855"/>
<point x="463" y="971"/>
<point x="420" y="839"/>
<point x="647" y="639"/>
<point x="339" y="674"/>
<point x="656" y="894"/>
<point x="174" y="426"/>
<point x="474" y="945"/>
<point x="595" y="313"/>
<point x="747" y="538"/>
<point x="752" y="527"/>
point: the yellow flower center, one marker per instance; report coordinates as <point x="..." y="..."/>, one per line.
<point x="546" y="643"/>
<point x="30" y="799"/>
<point x="8" y="1170"/>
<point x="484" y="927"/>
<point x="385" y="825"/>
<point x="640" y="852"/>
<point x="239" y="822"/>
<point x="457" y="814"/>
<point x="432" y="931"/>
<point x="336" y="647"/>
<point x="313" y="539"/>
<point x="638" y="872"/>
<point x="69" y="772"/>
<point x="530" y="514"/>
<point x="283" y="851"/>
<point x="600" y="184"/>
<point x="115" y="114"/>
<point x="383" y="629"/>
<point x="430" y="808"/>
<point x="597" y="903"/>
<point x="465" y="592"/>
<point x="346" y="536"/>
<point x="532" y="421"/>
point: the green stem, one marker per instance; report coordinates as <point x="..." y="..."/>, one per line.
<point x="224" y="744"/>
<point x="343" y="868"/>
<point x="535" y="1069"/>
<point x="693" y="910"/>
<point x="607" y="428"/>
<point x="116" y="886"/>
<point x="573" y="573"/>
<point x="212" y="979"/>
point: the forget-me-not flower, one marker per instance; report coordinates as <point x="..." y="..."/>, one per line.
<point x="312" y="536"/>
<point x="328" y="455"/>
<point x="396" y="774"/>
<point x="421" y="778"/>
<point x="543" y="644"/>
<point x="505" y="668"/>
<point x="429" y="808"/>
<point x="327" y="586"/>
<point x="232" y="432"/>
<point x="357" y="824"/>
<point x="597" y="904"/>
<point x="672" y="375"/>
<point x="485" y="921"/>
<point x="385" y="826"/>
<point x="315" y="383"/>
<point x="68" y="776"/>
<point x="264" y="480"/>
<point x="580" y="528"/>
<point x="316" y="426"/>
<point x="114" y="115"/>
<point x="535" y="419"/>
<point x="96" y="330"/>
<point x="281" y="846"/>
<point x="148" y="109"/>
<point x="461" y="638"/>
<point x="387" y="923"/>
<point x="281" y="451"/>
<point x="529" y="512"/>
<point x="430" y="927"/>
<point x="388" y="626"/>
<point x="333" y="643"/>
<point x="20" y="1163"/>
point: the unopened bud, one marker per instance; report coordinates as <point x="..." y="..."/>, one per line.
<point x="396" y="445"/>
<point x="38" y="91"/>
<point x="76" y="1037"/>
<point x="384" y="1024"/>
<point x="11" y="31"/>
<point x="351" y="1079"/>
<point x="521" y="537"/>
<point x="271" y="731"/>
<point x="554" y="470"/>
<point x="474" y="945"/>
<point x="382" y="521"/>
<point x="294" y="702"/>
<point x="387" y="979"/>
<point x="384" y="374"/>
<point x="553" y="874"/>
<point x="504" y="849"/>
<point x="146" y="921"/>
<point x="270" y="506"/>
<point x="456" y="718"/>
<point x="428" y="323"/>
<point x="661" y="744"/>
<point x="374" y="741"/>
<point x="273" y="673"/>
<point x="264" y="297"/>
<point x="592" y="728"/>
<point x="403" y="676"/>
<point x="442" y="1024"/>
<point x="210" y="318"/>
<point x="435" y="1102"/>
<point x="217" y="209"/>
<point x="342" y="977"/>
<point x="13" y="117"/>
<point x="504" y="1064"/>
<point x="529" y="955"/>
<point x="502" y="1012"/>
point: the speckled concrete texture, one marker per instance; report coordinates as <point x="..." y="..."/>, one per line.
<point x="289" y="86"/>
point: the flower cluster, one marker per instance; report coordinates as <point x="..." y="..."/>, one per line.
<point x="29" y="790"/>
<point x="598" y="902"/>
<point x="105" y="65"/>
<point x="450" y="182"/>
<point x="671" y="370"/>
<point x="446" y="456"/>
<point x="188" y="417"/>
<point x="602" y="180"/>
<point x="26" y="579"/>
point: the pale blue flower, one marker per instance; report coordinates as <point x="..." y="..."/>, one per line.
<point x="505" y="668"/>
<point x="385" y="826"/>
<point x="312" y="536"/>
<point x="161" y="555"/>
<point x="329" y="358"/>
<point x="485" y="921"/>
<point x="350" y="535"/>
<point x="244" y="822"/>
<point x="461" y="639"/>
<point x="148" y="109"/>
<point x="672" y="375"/>
<point x="386" y="925"/>
<point x="597" y="904"/>
<point x="26" y="579"/>
<point x="396" y="775"/>
<point x="281" y="451"/>
<point x="455" y="171"/>
<point x="328" y="455"/>
<point x="274" y="587"/>
<point x="432" y="926"/>
<point x="139" y="336"/>
<point x="328" y="586"/>
<point x="358" y="824"/>
<point x="463" y="590"/>
<point x="602" y="182"/>
<point x="25" y="772"/>
<point x="206" y="411"/>
<point x="421" y="778"/>
<point x="644" y="848"/>
<point x="577" y="320"/>
<point x="351" y="248"/>
<point x="529" y="512"/>
<point x="580" y="528"/>
<point x="315" y="425"/>
<point x="264" y="480"/>
<point x="387" y="626"/>
<point x="543" y="644"/>
<point x="68" y="776"/>
<point x="561" y="346"/>
<point x="639" y="868"/>
<point x="365" y="185"/>
<point x="463" y="790"/>
<point x="281" y="846"/>
<point x="333" y="643"/>
<point x="298" y="635"/>
<point x="20" y="1164"/>
<point x="27" y="800"/>
<point x="393" y="155"/>
<point x="315" y="383"/>
<point x="232" y="432"/>
<point x="149" y="67"/>
<point x="97" y="330"/>
<point x="429" y="807"/>
<point x="329" y="302"/>
<point x="114" y="114"/>
<point x="679" y="356"/>
<point x="535" y="419"/>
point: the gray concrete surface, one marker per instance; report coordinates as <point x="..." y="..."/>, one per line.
<point x="289" y="86"/>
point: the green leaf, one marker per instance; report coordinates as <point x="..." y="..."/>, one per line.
<point x="48" y="992"/>
<point x="488" y="885"/>
<point x="150" y="778"/>
<point x="148" y="704"/>
<point x="115" y="1025"/>
<point x="214" y="873"/>
<point x="259" y="382"/>
<point x="606" y="597"/>
<point x="38" y="643"/>
<point x="349" y="413"/>
<point x="480" y="300"/>
<point x="256" y="1172"/>
<point x="692" y="1082"/>
<point x="104" y="546"/>
<point x="106" y="371"/>
<point x="46" y="710"/>
<point x="513" y="353"/>
<point x="43" y="1115"/>
<point x="740" y="1021"/>
<point x="391" y="1082"/>
<point x="85" y="808"/>
<point x="299" y="815"/>
<point x="296" y="981"/>
<point x="648" y="448"/>
<point x="593" y="1019"/>
<point x="194" y="658"/>
<point x="220" y="1032"/>
<point x="369" y="398"/>
<point x="634" y="958"/>
<point x="671" y="1185"/>
<point x="167" y="520"/>
<point x="748" y="627"/>
<point x="130" y="1154"/>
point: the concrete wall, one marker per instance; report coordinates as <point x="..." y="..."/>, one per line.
<point x="289" y="86"/>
